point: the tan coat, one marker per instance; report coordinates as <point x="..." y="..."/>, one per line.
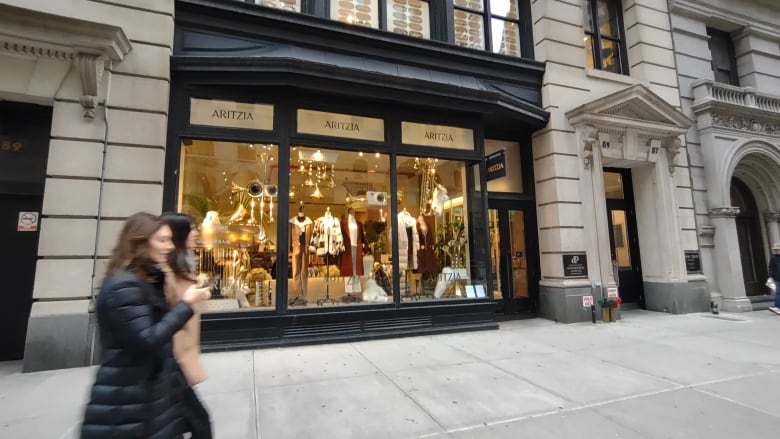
<point x="186" y="342"/>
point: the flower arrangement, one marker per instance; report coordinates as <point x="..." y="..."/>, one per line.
<point x="610" y="302"/>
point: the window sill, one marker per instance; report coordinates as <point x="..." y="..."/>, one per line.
<point x="613" y="77"/>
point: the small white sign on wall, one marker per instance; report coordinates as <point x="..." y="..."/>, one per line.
<point x="612" y="292"/>
<point x="28" y="222"/>
<point x="587" y="301"/>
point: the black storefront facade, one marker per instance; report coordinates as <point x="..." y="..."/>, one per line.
<point x="355" y="155"/>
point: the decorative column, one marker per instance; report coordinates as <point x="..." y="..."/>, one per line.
<point x="772" y="220"/>
<point x="728" y="264"/>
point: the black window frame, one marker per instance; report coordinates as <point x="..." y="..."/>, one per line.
<point x="726" y="43"/>
<point x="442" y="26"/>
<point x="596" y="36"/>
<point x="523" y="16"/>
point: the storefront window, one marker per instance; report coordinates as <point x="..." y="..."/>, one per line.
<point x="231" y="190"/>
<point x="434" y="245"/>
<point x="340" y="229"/>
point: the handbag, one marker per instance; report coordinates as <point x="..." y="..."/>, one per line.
<point x="770" y="283"/>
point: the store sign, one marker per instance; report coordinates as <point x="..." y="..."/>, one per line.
<point x="231" y="114"/>
<point x="341" y="125"/>
<point x="693" y="262"/>
<point x="496" y="165"/>
<point x="575" y="265"/>
<point x="436" y="135"/>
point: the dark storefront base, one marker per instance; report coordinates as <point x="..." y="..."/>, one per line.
<point x="237" y="331"/>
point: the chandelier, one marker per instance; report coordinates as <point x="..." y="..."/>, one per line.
<point x="426" y="167"/>
<point x="320" y="170"/>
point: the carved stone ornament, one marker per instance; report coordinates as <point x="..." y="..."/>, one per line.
<point x="724" y="212"/>
<point x="772" y="216"/>
<point x="672" y="147"/>
<point x="590" y="138"/>
<point x="91" y="69"/>
<point x="743" y="124"/>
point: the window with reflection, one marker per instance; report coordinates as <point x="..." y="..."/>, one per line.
<point x="492" y="25"/>
<point x="436" y="203"/>
<point x="405" y="17"/>
<point x="604" y="45"/>
<point x="288" y="5"/>
<point x="231" y="190"/>
<point x="340" y="240"/>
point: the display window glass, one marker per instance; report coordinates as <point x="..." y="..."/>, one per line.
<point x="435" y="207"/>
<point x="340" y="230"/>
<point x="231" y="189"/>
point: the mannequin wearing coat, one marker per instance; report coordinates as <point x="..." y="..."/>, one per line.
<point x="354" y="243"/>
<point x="408" y="241"/>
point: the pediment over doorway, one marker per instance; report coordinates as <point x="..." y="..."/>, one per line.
<point x="629" y="128"/>
<point x="633" y="107"/>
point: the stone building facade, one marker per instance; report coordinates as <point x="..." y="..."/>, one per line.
<point x="99" y="70"/>
<point x="613" y="181"/>
<point x="728" y="58"/>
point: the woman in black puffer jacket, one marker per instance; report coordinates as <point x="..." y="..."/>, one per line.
<point x="135" y="394"/>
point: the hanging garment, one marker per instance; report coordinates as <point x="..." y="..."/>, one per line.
<point x="327" y="238"/>
<point x="300" y="235"/>
<point x="426" y="256"/>
<point x="407" y="250"/>
<point x="348" y="260"/>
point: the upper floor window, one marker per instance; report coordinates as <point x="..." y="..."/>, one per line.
<point x="405" y="17"/>
<point x="488" y="25"/>
<point x="289" y="5"/>
<point x="604" y="41"/>
<point x="724" y="62"/>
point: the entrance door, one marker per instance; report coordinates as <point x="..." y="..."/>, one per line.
<point x="623" y="236"/>
<point x="751" y="243"/>
<point x="512" y="253"/>
<point x="17" y="270"/>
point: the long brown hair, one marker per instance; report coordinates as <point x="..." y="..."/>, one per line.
<point x="131" y="250"/>
<point x="181" y="225"/>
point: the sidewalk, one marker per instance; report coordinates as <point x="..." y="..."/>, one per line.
<point x="650" y="375"/>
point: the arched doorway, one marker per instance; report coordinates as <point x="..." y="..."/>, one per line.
<point x="752" y="249"/>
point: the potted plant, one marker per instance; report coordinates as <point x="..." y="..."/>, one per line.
<point x="609" y="308"/>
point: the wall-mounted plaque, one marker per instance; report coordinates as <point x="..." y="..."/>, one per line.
<point x="231" y="114"/>
<point x="436" y="135"/>
<point x="575" y="265"/>
<point x="692" y="261"/>
<point x="341" y="125"/>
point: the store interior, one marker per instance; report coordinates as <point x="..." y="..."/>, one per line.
<point x="340" y="236"/>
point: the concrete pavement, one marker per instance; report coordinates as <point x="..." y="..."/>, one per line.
<point x="650" y="375"/>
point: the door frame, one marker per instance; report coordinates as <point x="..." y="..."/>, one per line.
<point x="509" y="304"/>
<point x="627" y="205"/>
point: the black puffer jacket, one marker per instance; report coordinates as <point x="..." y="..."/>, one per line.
<point x="136" y="387"/>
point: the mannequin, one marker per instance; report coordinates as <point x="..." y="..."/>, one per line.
<point x="328" y="240"/>
<point x="354" y="243"/>
<point x="301" y="228"/>
<point x="426" y="228"/>
<point x="408" y="241"/>
<point x="440" y="198"/>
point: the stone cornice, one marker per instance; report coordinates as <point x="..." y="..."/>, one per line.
<point x="724" y="212"/>
<point x="706" y="12"/>
<point x="89" y="45"/>
<point x="42" y="33"/>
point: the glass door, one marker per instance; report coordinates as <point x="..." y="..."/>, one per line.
<point x="623" y="237"/>
<point x="513" y="271"/>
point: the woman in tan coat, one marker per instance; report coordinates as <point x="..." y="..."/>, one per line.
<point x="186" y="342"/>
